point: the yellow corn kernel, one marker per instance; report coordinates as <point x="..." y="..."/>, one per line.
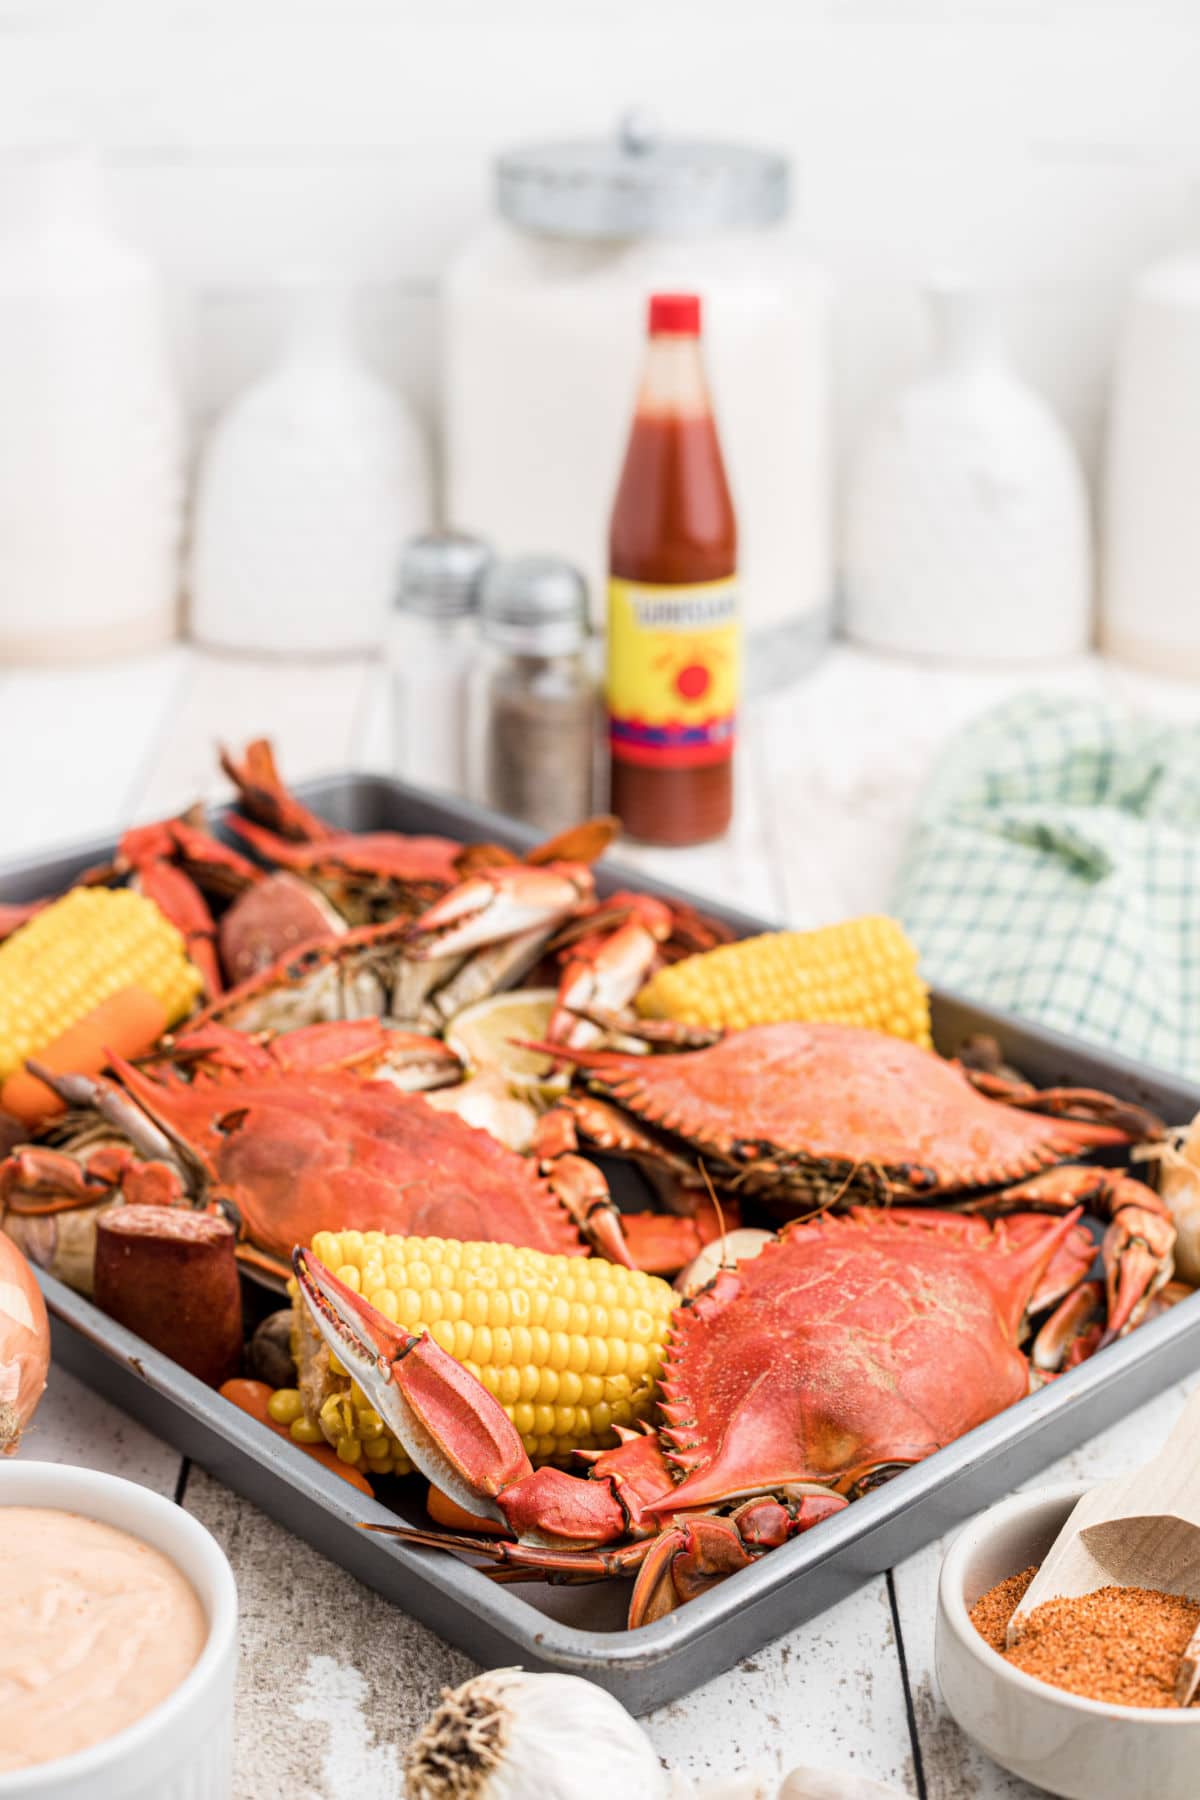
<point x="305" y="1432"/>
<point x="861" y="972"/>
<point x="567" y="1345"/>
<point x="78" y="951"/>
<point x="337" y="1417"/>
<point x="285" y="1405"/>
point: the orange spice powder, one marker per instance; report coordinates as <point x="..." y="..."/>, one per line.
<point x="1122" y="1645"/>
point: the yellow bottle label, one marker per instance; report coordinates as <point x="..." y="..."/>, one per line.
<point x="674" y="670"/>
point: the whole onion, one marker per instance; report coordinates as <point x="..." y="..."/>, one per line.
<point x="24" y="1344"/>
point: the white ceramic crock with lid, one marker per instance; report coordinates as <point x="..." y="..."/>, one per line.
<point x="1084" y="1749"/>
<point x="183" y="1748"/>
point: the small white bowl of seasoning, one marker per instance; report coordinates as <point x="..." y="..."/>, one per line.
<point x="118" y="1642"/>
<point x="1081" y="1748"/>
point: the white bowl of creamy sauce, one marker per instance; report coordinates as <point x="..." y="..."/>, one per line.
<point x="118" y="1642"/>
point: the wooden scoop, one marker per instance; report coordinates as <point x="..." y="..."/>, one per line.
<point x="1141" y="1530"/>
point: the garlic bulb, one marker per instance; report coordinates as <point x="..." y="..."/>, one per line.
<point x="508" y="1735"/>
<point x="1179" y="1185"/>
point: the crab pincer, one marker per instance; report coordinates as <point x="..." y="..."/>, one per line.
<point x="497" y="904"/>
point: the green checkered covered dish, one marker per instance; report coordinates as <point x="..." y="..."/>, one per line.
<point x="1053" y="871"/>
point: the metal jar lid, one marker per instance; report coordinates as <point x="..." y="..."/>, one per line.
<point x="440" y="574"/>
<point x="640" y="185"/>
<point x="534" y="606"/>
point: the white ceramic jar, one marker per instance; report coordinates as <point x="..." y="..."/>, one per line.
<point x="1150" y="579"/>
<point x="91" y="438"/>
<point x="308" y="488"/>
<point x="543" y="331"/>
<point x="967" y="535"/>
<point x="183" y="1748"/>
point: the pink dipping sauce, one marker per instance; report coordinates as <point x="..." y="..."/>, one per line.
<point x="96" y="1628"/>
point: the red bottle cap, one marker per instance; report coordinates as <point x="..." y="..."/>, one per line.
<point x="677" y="313"/>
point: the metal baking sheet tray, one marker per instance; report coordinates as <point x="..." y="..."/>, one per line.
<point x="580" y="1629"/>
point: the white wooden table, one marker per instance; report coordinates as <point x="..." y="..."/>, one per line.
<point x="334" y="1681"/>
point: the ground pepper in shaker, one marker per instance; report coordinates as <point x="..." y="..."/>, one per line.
<point x="432" y="647"/>
<point x="534" y="717"/>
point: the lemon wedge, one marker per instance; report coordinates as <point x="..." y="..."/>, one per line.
<point x="482" y="1035"/>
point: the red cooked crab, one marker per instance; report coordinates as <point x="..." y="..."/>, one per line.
<point x="849" y="1348"/>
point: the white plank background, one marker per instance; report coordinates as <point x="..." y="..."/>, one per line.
<point x="334" y="1681"/>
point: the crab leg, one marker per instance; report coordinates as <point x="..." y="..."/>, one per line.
<point x="1085" y="1105"/>
<point x="177" y="896"/>
<point x="605" y="969"/>
<point x="206" y="859"/>
<point x="577" y="1118"/>
<point x="408" y="1059"/>
<point x="1073" y="1330"/>
<point x="529" y="1562"/>
<point x="168" y="861"/>
<point x="581" y="1187"/>
<point x="695" y="1553"/>
<point x="36" y="1181"/>
<point x="659" y="1243"/>
<point x="1138" y="1245"/>
<point x="262" y="792"/>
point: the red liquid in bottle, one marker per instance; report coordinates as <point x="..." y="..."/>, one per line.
<point x="674" y="637"/>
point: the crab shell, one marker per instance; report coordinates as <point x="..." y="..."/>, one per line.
<point x="297" y="1153"/>
<point x="812" y="1112"/>
<point x="852" y="1345"/>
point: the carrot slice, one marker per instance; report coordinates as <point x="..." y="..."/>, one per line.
<point x="252" y="1396"/>
<point x="127" y="1024"/>
<point x="445" y="1511"/>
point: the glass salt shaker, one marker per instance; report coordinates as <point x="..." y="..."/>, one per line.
<point x="534" y="711"/>
<point x="432" y="645"/>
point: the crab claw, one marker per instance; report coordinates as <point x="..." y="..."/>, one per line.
<point x="605" y="970"/>
<point x="451" y="1428"/>
<point x="497" y="904"/>
<point x="1138" y="1256"/>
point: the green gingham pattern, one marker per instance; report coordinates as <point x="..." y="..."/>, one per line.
<point x="1053" y="870"/>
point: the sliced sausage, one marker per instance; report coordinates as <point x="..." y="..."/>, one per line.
<point x="170" y="1275"/>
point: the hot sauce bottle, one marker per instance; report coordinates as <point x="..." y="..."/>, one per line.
<point x="673" y="629"/>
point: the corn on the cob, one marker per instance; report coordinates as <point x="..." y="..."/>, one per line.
<point x="76" y="953"/>
<point x="569" y="1345"/>
<point x="862" y="972"/>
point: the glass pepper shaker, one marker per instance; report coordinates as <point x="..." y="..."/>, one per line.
<point x="534" y="714"/>
<point x="432" y="647"/>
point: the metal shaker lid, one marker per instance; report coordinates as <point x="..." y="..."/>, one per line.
<point x="639" y="184"/>
<point x="440" y="574"/>
<point x="534" y="606"/>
